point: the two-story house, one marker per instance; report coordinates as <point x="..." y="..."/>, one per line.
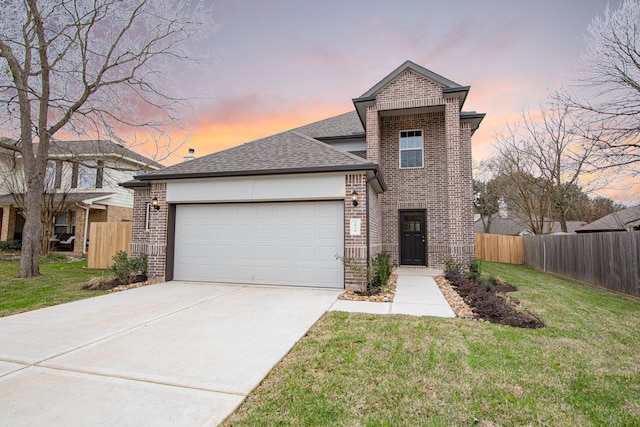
<point x="392" y="175"/>
<point x="81" y="186"/>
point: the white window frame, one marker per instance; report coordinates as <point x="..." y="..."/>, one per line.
<point x="400" y="149"/>
<point x="87" y="174"/>
<point x="50" y="175"/>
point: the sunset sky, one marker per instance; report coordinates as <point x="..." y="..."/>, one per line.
<point x="282" y="64"/>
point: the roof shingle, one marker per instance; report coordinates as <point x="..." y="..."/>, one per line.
<point x="289" y="150"/>
<point x="343" y="125"/>
<point x="617" y="221"/>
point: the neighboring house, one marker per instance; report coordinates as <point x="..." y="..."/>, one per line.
<point x="82" y="183"/>
<point x="393" y="175"/>
<point x="501" y="225"/>
<point x="513" y="226"/>
<point x="624" y="220"/>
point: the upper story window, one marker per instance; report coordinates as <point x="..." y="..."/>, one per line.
<point x="411" y="149"/>
<point x="88" y="174"/>
<point x="53" y="175"/>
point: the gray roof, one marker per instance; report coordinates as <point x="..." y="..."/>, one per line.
<point x="341" y="126"/>
<point x="101" y="147"/>
<point x="513" y="226"/>
<point x="91" y="148"/>
<point x="617" y="221"/>
<point x="286" y="152"/>
<point x="499" y="225"/>
<point x="57" y="197"/>
<point x="572" y="226"/>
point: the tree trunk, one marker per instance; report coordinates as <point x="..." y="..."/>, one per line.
<point x="32" y="232"/>
<point x="563" y="222"/>
<point x="486" y="224"/>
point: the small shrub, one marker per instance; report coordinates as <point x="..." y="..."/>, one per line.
<point x="121" y="266"/>
<point x="99" y="283"/>
<point x="475" y="266"/>
<point x="493" y="279"/>
<point x="127" y="269"/>
<point x="381" y="269"/>
<point x="10" y="245"/>
<point x="452" y="266"/>
<point x="485" y="282"/>
<point x="139" y="264"/>
<point x="358" y="269"/>
<point x="373" y="278"/>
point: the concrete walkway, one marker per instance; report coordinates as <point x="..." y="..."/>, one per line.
<point x="416" y="294"/>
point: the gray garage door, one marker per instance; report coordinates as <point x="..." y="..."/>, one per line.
<point x="261" y="243"/>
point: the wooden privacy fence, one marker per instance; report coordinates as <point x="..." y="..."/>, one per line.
<point x="105" y="240"/>
<point x="610" y="260"/>
<point x="500" y="248"/>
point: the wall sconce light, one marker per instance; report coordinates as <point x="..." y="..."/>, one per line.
<point x="354" y="198"/>
<point x="155" y="203"/>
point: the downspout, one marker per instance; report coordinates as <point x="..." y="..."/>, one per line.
<point x="366" y="191"/>
<point x="366" y="194"/>
<point x="86" y="227"/>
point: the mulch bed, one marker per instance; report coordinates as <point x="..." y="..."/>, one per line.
<point x="115" y="285"/>
<point x="386" y="295"/>
<point x="492" y="304"/>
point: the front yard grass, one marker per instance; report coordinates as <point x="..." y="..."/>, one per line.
<point x="354" y="369"/>
<point x="57" y="284"/>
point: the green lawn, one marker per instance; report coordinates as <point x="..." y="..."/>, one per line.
<point x="59" y="283"/>
<point x="583" y="369"/>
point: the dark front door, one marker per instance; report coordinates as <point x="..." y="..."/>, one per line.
<point x="412" y="238"/>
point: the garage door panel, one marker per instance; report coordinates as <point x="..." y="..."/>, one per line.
<point x="267" y="243"/>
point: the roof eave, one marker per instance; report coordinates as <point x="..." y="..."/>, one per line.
<point x="134" y="183"/>
<point x="457" y="92"/>
<point x="474" y="118"/>
<point x="254" y="172"/>
<point x="361" y="105"/>
<point x="341" y="137"/>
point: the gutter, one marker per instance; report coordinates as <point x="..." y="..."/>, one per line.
<point x="254" y="172"/>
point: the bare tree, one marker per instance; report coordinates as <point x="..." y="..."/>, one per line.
<point x="486" y="201"/>
<point x="606" y="88"/>
<point x="541" y="161"/>
<point x="79" y="67"/>
<point x="527" y="196"/>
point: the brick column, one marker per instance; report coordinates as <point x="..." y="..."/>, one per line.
<point x="355" y="247"/>
<point x="139" y="234"/>
<point x="8" y="222"/>
<point x="79" y="240"/>
<point x="455" y="188"/>
<point x="467" y="191"/>
<point x="157" y="234"/>
<point x="151" y="241"/>
<point x="373" y="135"/>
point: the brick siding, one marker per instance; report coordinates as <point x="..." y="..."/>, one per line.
<point x="8" y="222"/>
<point x="355" y="247"/>
<point x="153" y="242"/>
<point x="442" y="187"/>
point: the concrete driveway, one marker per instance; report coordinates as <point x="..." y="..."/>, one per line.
<point x="174" y="354"/>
